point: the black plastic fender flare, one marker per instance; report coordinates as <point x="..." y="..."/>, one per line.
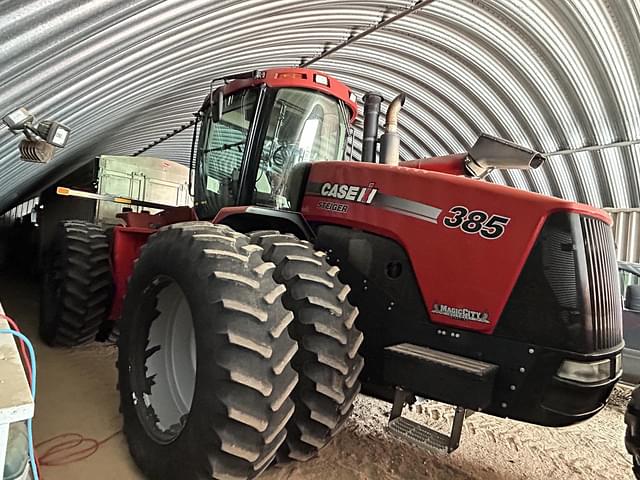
<point x="248" y="219"/>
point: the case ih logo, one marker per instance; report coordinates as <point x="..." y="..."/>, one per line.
<point x="349" y="192"/>
<point x="460" y="313"/>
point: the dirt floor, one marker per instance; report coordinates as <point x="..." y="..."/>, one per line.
<point x="77" y="394"/>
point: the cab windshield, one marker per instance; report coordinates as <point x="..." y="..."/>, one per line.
<point x="304" y="126"/>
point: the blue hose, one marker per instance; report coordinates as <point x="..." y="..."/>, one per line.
<point x="32" y="359"/>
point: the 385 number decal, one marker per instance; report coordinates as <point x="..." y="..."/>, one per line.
<point x="476" y="221"/>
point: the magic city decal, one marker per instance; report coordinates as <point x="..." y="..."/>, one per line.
<point x="460" y="313"/>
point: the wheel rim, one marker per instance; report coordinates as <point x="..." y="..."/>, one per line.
<point x="169" y="364"/>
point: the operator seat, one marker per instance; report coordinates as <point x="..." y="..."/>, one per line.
<point x="296" y="184"/>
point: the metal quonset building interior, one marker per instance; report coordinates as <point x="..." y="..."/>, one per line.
<point x="553" y="75"/>
<point x="561" y="77"/>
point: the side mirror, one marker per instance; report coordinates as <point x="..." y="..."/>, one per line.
<point x="218" y="106"/>
<point x="632" y="298"/>
<point x="489" y="153"/>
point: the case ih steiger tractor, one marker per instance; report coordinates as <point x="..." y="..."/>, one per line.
<point x="249" y="324"/>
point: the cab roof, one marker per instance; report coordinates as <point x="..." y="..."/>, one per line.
<point x="291" y="77"/>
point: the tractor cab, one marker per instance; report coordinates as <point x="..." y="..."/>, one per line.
<point x="257" y="129"/>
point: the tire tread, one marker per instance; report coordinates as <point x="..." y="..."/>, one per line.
<point x="81" y="253"/>
<point x="324" y="327"/>
<point x="255" y="376"/>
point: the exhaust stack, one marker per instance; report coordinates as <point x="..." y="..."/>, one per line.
<point x="390" y="140"/>
<point x="372" y="103"/>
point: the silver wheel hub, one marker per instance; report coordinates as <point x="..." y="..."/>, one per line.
<point x="171" y="361"/>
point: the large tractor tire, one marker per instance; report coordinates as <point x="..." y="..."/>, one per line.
<point x="204" y="360"/>
<point x="632" y="436"/>
<point x="324" y="327"/>
<point x="77" y="284"/>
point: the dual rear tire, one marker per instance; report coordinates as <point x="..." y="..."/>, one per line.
<point x="204" y="356"/>
<point x="233" y="350"/>
<point x="324" y="327"/>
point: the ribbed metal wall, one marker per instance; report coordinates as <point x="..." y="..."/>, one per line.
<point x="552" y="74"/>
<point x="626" y="232"/>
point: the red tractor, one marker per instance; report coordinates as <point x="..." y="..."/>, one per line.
<point x="249" y="324"/>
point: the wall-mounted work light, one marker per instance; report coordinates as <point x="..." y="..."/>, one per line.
<point x="38" y="146"/>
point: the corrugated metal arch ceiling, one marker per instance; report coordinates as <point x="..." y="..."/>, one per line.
<point x="552" y="74"/>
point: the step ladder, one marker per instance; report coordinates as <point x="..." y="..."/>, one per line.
<point x="443" y="376"/>
<point x="420" y="435"/>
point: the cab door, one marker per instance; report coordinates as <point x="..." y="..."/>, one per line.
<point x="222" y="151"/>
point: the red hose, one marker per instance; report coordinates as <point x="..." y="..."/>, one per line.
<point x="65" y="448"/>
<point x="23" y="347"/>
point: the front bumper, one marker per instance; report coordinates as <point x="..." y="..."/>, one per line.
<point x="543" y="398"/>
<point x="525" y="385"/>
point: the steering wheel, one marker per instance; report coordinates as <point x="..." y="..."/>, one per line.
<point x="279" y="161"/>
<point x="281" y="156"/>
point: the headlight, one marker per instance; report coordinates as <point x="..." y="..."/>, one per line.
<point x="585" y="372"/>
<point x="321" y="79"/>
<point x="618" y="363"/>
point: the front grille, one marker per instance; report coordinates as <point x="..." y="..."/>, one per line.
<point x="567" y="295"/>
<point x="604" y="290"/>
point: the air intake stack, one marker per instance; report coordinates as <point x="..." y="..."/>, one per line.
<point x="372" y="103"/>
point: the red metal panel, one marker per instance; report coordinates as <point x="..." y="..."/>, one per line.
<point x="166" y="217"/>
<point x="453" y="268"/>
<point x="126" y="245"/>
<point x="127" y="241"/>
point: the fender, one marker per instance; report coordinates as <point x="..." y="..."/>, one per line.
<point x="168" y="216"/>
<point x="246" y="219"/>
